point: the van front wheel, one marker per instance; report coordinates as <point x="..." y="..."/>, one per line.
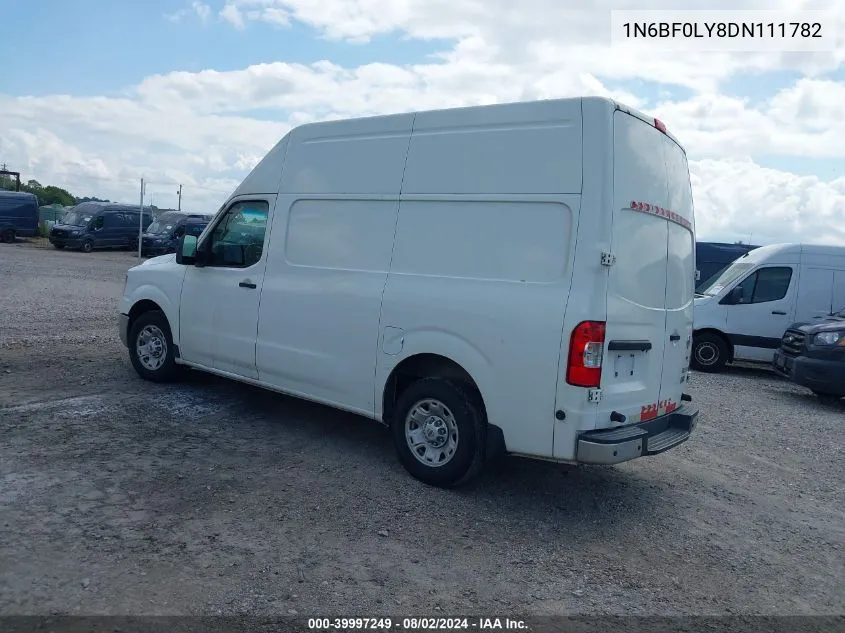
<point x="9" y="236"/>
<point x="437" y="432"/>
<point x="709" y="352"/>
<point x="151" y="348"/>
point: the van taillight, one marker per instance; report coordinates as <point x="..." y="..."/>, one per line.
<point x="586" y="347"/>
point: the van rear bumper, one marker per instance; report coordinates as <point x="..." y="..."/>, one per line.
<point x="621" y="444"/>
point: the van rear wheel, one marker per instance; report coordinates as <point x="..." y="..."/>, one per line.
<point x="709" y="352"/>
<point x="437" y="430"/>
<point x="151" y="348"/>
<point x="9" y="236"/>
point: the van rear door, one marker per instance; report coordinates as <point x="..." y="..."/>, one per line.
<point x="651" y="284"/>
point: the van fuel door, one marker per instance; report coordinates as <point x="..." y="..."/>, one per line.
<point x="392" y="340"/>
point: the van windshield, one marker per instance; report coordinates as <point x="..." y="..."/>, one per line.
<point x="77" y="218"/>
<point x="159" y="227"/>
<point x="730" y="274"/>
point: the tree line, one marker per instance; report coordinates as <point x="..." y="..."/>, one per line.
<point x="49" y="194"/>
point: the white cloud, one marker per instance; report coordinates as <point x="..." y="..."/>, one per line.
<point x="200" y="9"/>
<point x="737" y="199"/>
<point x="196" y="128"/>
<point x="550" y="32"/>
<point x="231" y="14"/>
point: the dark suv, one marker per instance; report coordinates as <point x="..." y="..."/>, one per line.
<point x="162" y="236"/>
<point x="813" y="355"/>
<point x="93" y="225"/>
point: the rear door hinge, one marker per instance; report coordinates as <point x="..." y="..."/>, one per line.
<point x="594" y="395"/>
<point x="607" y="259"/>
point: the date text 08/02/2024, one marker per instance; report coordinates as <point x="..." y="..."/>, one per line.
<point x="416" y="624"/>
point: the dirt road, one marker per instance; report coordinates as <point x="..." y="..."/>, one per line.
<point x="123" y="497"/>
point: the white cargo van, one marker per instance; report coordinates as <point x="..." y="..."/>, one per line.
<point x="512" y="278"/>
<point x="744" y="312"/>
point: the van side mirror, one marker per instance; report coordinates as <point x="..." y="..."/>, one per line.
<point x="186" y="251"/>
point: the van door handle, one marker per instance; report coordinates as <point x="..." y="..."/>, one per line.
<point x="247" y="284"/>
<point x="675" y="337"/>
<point x="778" y="312"/>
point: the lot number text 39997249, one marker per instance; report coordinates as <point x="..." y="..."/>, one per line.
<point x="416" y="624"/>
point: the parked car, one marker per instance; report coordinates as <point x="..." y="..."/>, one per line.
<point x="712" y="258"/>
<point x="96" y="225"/>
<point x="18" y="215"/>
<point x="162" y="236"/>
<point x="507" y="278"/>
<point x="813" y="355"/>
<point x="744" y="312"/>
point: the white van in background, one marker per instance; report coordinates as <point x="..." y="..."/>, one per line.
<point x="744" y="312"/>
<point x="509" y="278"/>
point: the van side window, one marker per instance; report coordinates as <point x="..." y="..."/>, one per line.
<point x="238" y="238"/>
<point x="767" y="284"/>
<point x="99" y="222"/>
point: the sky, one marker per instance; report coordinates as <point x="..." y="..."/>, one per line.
<point x="96" y="94"/>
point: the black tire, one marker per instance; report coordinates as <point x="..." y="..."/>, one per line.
<point x="466" y="416"/>
<point x="58" y="247"/>
<point x="87" y="245"/>
<point x="9" y="236"/>
<point x="709" y="352"/>
<point x="151" y="323"/>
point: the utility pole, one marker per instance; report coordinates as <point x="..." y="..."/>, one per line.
<point x="141" y="220"/>
<point x="179" y="193"/>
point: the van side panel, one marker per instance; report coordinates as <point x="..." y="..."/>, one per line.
<point x="483" y="257"/>
<point x="815" y="293"/>
<point x="363" y="156"/>
<point x="332" y="239"/>
<point x="520" y="148"/>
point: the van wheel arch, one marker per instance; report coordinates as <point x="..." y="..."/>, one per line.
<point x="421" y="366"/>
<point x="717" y="337"/>
<point x="142" y="307"/>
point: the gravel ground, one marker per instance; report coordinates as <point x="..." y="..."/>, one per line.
<point x="124" y="497"/>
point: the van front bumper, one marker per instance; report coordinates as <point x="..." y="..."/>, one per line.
<point x="818" y="374"/>
<point x="70" y="242"/>
<point x="621" y="444"/>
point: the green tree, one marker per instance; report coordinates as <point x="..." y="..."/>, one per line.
<point x="54" y="195"/>
<point x="49" y="194"/>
